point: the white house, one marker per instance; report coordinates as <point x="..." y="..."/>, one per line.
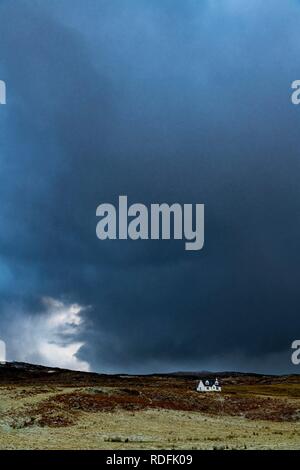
<point x="209" y="386"/>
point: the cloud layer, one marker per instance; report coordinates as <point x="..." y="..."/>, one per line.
<point x="50" y="337"/>
<point x="164" y="102"/>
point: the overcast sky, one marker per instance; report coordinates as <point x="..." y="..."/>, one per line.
<point x="164" y="101"/>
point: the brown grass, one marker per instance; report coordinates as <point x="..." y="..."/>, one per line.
<point x="150" y="412"/>
<point x="255" y="403"/>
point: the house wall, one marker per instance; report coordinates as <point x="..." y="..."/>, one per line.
<point x="205" y="388"/>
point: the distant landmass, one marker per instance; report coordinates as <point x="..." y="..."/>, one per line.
<point x="51" y="408"/>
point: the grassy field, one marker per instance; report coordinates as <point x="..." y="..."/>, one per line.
<point x="46" y="411"/>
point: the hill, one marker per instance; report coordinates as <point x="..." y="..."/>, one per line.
<point x="44" y="407"/>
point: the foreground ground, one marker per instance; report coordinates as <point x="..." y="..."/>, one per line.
<point x="53" y="409"/>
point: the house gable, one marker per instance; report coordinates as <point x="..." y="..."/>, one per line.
<point x="209" y="386"/>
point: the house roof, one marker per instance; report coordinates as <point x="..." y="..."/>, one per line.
<point x="210" y="382"/>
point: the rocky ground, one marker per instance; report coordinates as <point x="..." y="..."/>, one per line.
<point x="42" y="408"/>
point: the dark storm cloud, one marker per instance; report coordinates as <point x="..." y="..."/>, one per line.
<point x="165" y="102"/>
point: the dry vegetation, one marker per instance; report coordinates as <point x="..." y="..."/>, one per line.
<point x="63" y="409"/>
